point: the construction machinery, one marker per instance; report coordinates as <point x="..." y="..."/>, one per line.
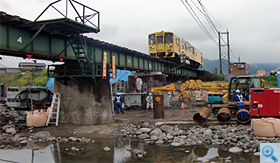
<point x="25" y="98"/>
<point x="243" y="83"/>
<point x="265" y="102"/>
<point x="178" y="87"/>
<point x="226" y="90"/>
<point x="220" y="92"/>
<point x="221" y="95"/>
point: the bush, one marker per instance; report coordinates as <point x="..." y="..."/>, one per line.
<point x="26" y="79"/>
<point x="270" y="81"/>
<point x="219" y="77"/>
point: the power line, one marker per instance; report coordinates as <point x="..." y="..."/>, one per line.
<point x="196" y="18"/>
<point x="208" y="18"/>
<point x="198" y="11"/>
<point x="212" y="24"/>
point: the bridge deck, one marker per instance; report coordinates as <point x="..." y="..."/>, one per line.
<point x="16" y="33"/>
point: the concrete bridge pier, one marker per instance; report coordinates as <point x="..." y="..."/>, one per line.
<point x="86" y="103"/>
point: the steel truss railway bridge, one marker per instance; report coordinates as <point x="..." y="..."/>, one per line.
<point x="86" y="60"/>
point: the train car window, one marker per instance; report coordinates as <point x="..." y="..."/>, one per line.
<point x="177" y="41"/>
<point x="159" y="39"/>
<point x="168" y="38"/>
<point x="152" y="39"/>
<point x="182" y="44"/>
<point x="186" y="46"/>
<point x="191" y="50"/>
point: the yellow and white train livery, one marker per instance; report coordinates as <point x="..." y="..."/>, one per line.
<point x="169" y="46"/>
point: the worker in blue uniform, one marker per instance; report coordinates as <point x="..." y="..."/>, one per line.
<point x="239" y="102"/>
<point x="118" y="103"/>
<point x="170" y="98"/>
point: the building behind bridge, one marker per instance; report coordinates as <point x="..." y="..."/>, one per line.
<point x="23" y="67"/>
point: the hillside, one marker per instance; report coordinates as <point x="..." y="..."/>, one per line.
<point x="210" y="65"/>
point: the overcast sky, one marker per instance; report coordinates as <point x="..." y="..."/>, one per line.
<point x="253" y="25"/>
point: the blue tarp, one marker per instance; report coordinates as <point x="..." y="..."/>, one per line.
<point x="278" y="79"/>
<point x="50" y="83"/>
<point x="122" y="75"/>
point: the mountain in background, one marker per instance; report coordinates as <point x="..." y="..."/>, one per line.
<point x="210" y="65"/>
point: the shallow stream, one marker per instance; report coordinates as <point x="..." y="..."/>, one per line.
<point x="121" y="152"/>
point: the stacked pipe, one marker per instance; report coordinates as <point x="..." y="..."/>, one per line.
<point x="224" y="115"/>
<point x="201" y="115"/>
<point x="243" y="116"/>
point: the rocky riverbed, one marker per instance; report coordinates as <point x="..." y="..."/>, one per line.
<point x="234" y="137"/>
<point x="237" y="138"/>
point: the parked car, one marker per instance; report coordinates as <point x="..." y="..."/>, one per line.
<point x="274" y="72"/>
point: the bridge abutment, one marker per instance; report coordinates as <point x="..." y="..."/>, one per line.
<point x="86" y="103"/>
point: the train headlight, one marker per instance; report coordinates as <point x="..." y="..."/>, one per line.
<point x="151" y="47"/>
<point x="169" y="46"/>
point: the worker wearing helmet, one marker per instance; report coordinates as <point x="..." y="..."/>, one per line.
<point x="139" y="84"/>
<point x="118" y="103"/>
<point x="170" y="98"/>
<point x="149" y="100"/>
<point x="239" y="101"/>
<point x="182" y="57"/>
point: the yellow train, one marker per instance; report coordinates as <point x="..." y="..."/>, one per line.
<point x="169" y="46"/>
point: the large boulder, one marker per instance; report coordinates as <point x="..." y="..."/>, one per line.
<point x="143" y="136"/>
<point x="144" y="130"/>
<point x="156" y="132"/>
<point x="235" y="150"/>
<point x="41" y="135"/>
<point x="11" y="130"/>
<point x="166" y="128"/>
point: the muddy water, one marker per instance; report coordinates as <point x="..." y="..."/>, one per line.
<point x="120" y="153"/>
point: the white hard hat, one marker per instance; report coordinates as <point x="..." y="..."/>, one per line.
<point x="237" y="91"/>
<point x="150" y="93"/>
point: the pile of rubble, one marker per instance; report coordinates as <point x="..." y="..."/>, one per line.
<point x="11" y="121"/>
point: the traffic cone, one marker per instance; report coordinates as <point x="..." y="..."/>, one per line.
<point x="182" y="106"/>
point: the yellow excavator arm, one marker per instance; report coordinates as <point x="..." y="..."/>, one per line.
<point x="159" y="90"/>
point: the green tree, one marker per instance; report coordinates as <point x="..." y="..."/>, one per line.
<point x="24" y="79"/>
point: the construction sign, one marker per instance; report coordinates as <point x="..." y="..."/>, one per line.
<point x="104" y="67"/>
<point x="113" y="67"/>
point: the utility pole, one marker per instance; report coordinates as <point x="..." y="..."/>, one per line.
<point x="228" y="52"/>
<point x="220" y="51"/>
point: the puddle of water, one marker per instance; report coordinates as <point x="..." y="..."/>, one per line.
<point x="120" y="153"/>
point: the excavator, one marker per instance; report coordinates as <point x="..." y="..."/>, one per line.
<point x="224" y="90"/>
<point x="223" y="106"/>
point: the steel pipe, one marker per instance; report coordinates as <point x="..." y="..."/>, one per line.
<point x="201" y="115"/>
<point x="224" y="115"/>
<point x="243" y="116"/>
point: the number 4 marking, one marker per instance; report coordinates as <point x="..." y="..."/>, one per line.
<point x="19" y="40"/>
